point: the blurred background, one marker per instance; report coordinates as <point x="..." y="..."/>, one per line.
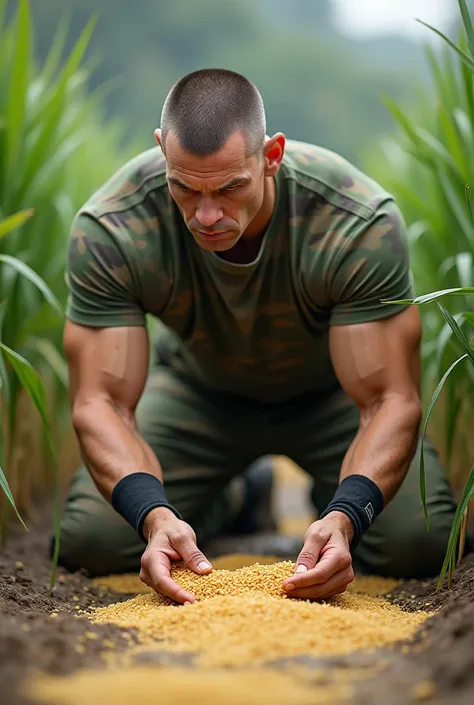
<point x="321" y="65"/>
<point x="82" y="83"/>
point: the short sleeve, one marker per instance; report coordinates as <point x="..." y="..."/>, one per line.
<point x="101" y="286"/>
<point x="374" y="267"/>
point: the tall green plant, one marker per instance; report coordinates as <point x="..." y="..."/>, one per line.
<point x="27" y="377"/>
<point x="446" y="157"/>
<point x="56" y="147"/>
<point x="428" y="167"/>
<point x="467" y="356"/>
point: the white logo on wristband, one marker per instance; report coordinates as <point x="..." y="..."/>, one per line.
<point x="369" y="510"/>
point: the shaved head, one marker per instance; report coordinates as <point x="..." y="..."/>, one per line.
<point x="204" y="108"/>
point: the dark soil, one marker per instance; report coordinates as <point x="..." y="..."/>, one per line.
<point x="43" y="632"/>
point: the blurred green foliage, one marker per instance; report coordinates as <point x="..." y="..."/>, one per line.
<point x="55" y="148"/>
<point x="317" y="85"/>
<point x="429" y="167"/>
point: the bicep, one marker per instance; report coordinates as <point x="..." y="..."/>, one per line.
<point x="379" y="359"/>
<point x="109" y="364"/>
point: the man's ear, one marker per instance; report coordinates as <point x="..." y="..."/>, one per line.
<point x="157" y="135"/>
<point x="273" y="152"/>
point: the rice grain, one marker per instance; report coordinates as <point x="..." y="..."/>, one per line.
<point x="242" y="617"/>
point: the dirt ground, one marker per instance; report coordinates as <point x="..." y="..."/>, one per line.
<point x="39" y="632"/>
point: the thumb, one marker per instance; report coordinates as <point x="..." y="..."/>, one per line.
<point x="310" y="552"/>
<point x="193" y="557"/>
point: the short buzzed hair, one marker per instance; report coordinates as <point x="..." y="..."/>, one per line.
<point x="204" y="108"/>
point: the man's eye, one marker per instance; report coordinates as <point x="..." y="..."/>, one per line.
<point x="231" y="188"/>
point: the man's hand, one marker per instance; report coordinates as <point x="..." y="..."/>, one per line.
<point x="170" y="539"/>
<point x="324" y="566"/>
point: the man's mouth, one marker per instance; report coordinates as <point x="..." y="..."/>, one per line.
<point x="212" y="236"/>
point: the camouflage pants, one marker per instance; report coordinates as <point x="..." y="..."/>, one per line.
<point x="203" y="440"/>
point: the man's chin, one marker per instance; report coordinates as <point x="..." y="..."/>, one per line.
<point x="216" y="245"/>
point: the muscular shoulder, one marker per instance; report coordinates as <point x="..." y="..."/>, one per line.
<point x="349" y="236"/>
<point x="322" y="176"/>
<point x="119" y="245"/>
<point x="130" y="185"/>
<point x="129" y="219"/>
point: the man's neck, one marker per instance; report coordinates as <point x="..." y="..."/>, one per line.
<point x="248" y="247"/>
<point x="258" y="225"/>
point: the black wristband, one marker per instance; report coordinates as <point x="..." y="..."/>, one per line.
<point x="135" y="495"/>
<point x="361" y="500"/>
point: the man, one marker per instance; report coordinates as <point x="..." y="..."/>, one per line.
<point x="267" y="262"/>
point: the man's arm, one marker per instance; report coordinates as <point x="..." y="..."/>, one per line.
<point x="107" y="374"/>
<point x="107" y="371"/>
<point x="377" y="364"/>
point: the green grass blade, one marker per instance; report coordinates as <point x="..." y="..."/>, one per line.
<point x="402" y="119"/>
<point x="6" y="488"/>
<point x="464" y="342"/>
<point x="4" y="384"/>
<point x="49" y="353"/>
<point x="16" y="102"/>
<point x="457" y="291"/>
<point x="467" y="22"/>
<point x="468" y="316"/>
<point x="454" y="408"/>
<point x="432" y="147"/>
<point x="454" y="142"/>
<point x="464" y="268"/>
<point x="456" y="204"/>
<point x="14" y="221"/>
<point x="34" y="278"/>
<point x="465" y="57"/>
<point x="4" y="380"/>
<point x="426" y="298"/>
<point x="53" y="59"/>
<point x="433" y="401"/>
<point x="29" y="379"/>
<point x="78" y="50"/>
<point x="466" y="74"/>
<point x="467" y="494"/>
<point x="3" y="5"/>
<point x="444" y="338"/>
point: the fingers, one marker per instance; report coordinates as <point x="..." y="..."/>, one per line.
<point x="334" y="586"/>
<point x="333" y="561"/>
<point x="315" y="540"/>
<point x="156" y="573"/>
<point x="185" y="544"/>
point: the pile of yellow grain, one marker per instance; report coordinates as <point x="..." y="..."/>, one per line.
<point x="150" y="686"/>
<point x="130" y="583"/>
<point x="242" y="617"/>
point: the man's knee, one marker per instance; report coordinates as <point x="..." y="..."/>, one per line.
<point x="411" y="552"/>
<point x="84" y="546"/>
<point x="95" y="538"/>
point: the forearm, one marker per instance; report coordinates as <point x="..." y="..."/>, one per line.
<point x="385" y="444"/>
<point x="111" y="446"/>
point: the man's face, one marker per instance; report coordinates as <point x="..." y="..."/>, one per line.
<point x="218" y="195"/>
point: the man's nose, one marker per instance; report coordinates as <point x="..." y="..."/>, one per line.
<point x="208" y="212"/>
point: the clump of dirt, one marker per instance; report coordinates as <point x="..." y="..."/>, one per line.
<point x="42" y="631"/>
<point x="422" y="594"/>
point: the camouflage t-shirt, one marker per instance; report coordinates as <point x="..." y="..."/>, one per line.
<point x="335" y="247"/>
